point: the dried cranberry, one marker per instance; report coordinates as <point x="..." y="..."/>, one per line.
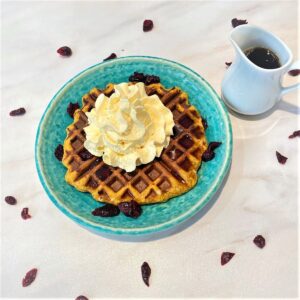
<point x="213" y="145"/>
<point x="294" y="72"/>
<point x="259" y="241"/>
<point x="204" y="123"/>
<point x="151" y="79"/>
<point x="59" y="152"/>
<point x="295" y="134"/>
<point x="141" y="77"/>
<point x="29" y="277"/>
<point x="10" y="200"/>
<point x="137" y="77"/>
<point x="130" y="209"/>
<point x="281" y="159"/>
<point x="25" y="213"/>
<point x="237" y="22"/>
<point x="64" y="51"/>
<point x="85" y="155"/>
<point x="177" y="130"/>
<point x="147" y="25"/>
<point x="228" y="64"/>
<point x="81" y="298"/>
<point x="17" y="112"/>
<point x="146" y="272"/>
<point x="112" y="56"/>
<point x="208" y="155"/>
<point x="226" y="257"/>
<point x="107" y="210"/>
<point x="71" y="108"/>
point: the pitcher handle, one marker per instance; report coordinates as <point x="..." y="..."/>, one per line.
<point x="285" y="90"/>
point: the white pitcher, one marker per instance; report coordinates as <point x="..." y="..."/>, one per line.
<point x="247" y="88"/>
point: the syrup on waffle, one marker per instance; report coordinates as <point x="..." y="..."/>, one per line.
<point x="169" y="175"/>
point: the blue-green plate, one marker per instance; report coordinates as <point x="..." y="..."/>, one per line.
<point x="157" y="217"/>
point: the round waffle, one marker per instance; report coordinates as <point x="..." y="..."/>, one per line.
<point x="169" y="175"/>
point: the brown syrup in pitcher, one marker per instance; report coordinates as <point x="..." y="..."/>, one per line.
<point x="263" y="57"/>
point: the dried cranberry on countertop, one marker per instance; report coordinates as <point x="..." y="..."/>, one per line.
<point x="17" y="112"/>
<point x="259" y="241"/>
<point x="29" y="277"/>
<point x="146" y="272"/>
<point x="294" y="72"/>
<point x="81" y="297"/>
<point x="147" y="25"/>
<point x="281" y="159"/>
<point x="237" y="22"/>
<point x="10" y="200"/>
<point x="226" y="257"/>
<point x="64" y="51"/>
<point x="112" y="56"/>
<point x="295" y="134"/>
<point x="25" y="213"/>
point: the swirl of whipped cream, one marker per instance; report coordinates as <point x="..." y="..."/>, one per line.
<point x="129" y="128"/>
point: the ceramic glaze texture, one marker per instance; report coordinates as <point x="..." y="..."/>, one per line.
<point x="157" y="217"/>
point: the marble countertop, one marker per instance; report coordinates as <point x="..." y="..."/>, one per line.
<point x="259" y="197"/>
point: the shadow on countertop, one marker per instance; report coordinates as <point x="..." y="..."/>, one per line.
<point x="281" y="105"/>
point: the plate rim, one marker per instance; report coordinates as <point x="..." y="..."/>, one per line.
<point x="100" y="228"/>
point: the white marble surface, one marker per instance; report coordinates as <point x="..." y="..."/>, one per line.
<point x="260" y="196"/>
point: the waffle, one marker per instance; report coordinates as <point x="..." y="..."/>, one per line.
<point x="169" y="175"/>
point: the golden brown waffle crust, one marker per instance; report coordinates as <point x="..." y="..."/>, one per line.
<point x="170" y="175"/>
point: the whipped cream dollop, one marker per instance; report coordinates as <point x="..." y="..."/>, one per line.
<point x="129" y="128"/>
